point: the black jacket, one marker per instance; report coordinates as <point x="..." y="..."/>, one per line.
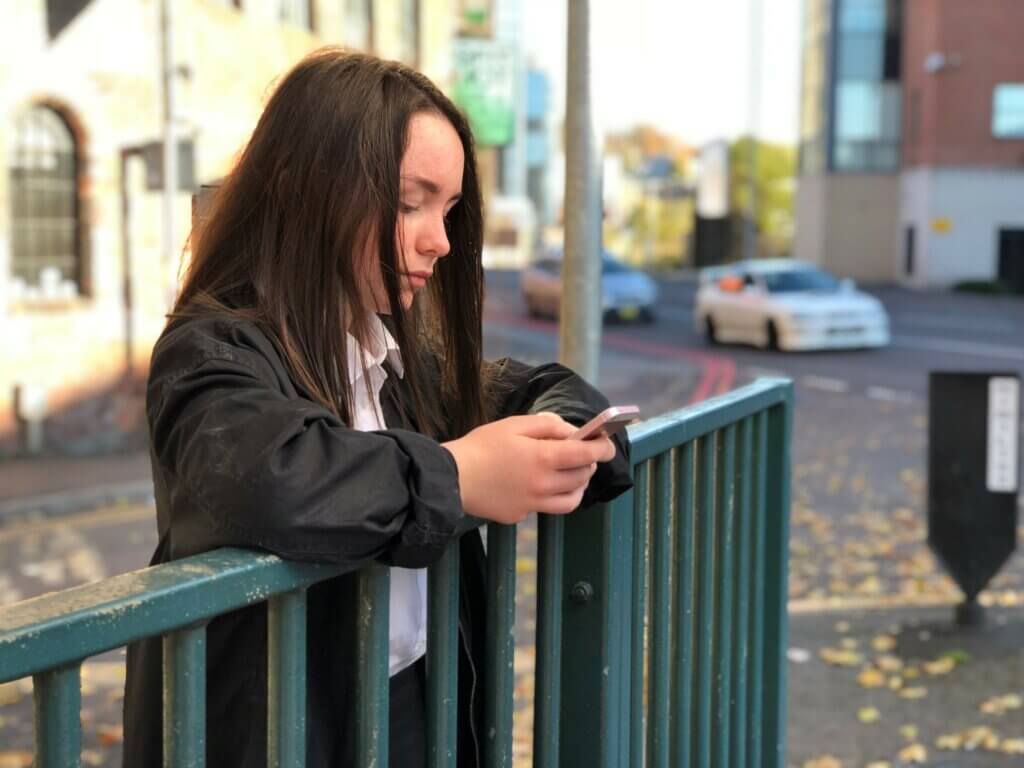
<point x="242" y="457"/>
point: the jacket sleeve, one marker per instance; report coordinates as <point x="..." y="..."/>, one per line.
<point x="522" y="389"/>
<point x="253" y="467"/>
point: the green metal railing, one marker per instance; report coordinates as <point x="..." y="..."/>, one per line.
<point x="661" y="620"/>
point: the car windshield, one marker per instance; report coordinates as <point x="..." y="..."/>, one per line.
<point x="800" y="280"/>
<point x="610" y="266"/>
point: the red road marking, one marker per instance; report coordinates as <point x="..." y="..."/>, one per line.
<point x="718" y="373"/>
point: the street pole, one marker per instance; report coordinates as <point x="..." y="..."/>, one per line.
<point x="580" y="325"/>
<point x="170" y="146"/>
<point x="754" y="95"/>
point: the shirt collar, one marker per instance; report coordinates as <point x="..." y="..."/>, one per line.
<point x="381" y="345"/>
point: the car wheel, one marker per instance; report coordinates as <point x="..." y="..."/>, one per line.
<point x="531" y="307"/>
<point x="772" y="335"/>
<point x="710" y="332"/>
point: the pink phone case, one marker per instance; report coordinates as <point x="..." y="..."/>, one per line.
<point x="608" y="422"/>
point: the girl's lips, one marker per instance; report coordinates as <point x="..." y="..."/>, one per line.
<point x="417" y="279"/>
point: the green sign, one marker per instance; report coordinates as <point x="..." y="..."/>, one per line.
<point x="485" y="79"/>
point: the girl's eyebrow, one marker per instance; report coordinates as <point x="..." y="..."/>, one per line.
<point x="430" y="186"/>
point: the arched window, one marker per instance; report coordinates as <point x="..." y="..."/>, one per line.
<point x="46" y="259"/>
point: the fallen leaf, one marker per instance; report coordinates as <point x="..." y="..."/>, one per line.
<point x="950" y="741"/>
<point x="1012" y="747"/>
<point x="915" y="753"/>
<point x="838" y="658"/>
<point x="848" y="643"/>
<point x="941" y="666"/>
<point x="880" y="764"/>
<point x="15" y="759"/>
<point x="842" y="627"/>
<point x="883" y="643"/>
<point x="889" y="663"/>
<point x="110" y="735"/>
<point x="895" y="683"/>
<point x="868" y="715"/>
<point x="982" y="736"/>
<point x="871" y="678"/>
<point x="1000" y="705"/>
<point x="909" y="732"/>
<point x="914" y="693"/>
<point x="825" y="761"/>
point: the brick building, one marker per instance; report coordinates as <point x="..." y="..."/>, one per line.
<point x="912" y="141"/>
<point x="83" y="282"/>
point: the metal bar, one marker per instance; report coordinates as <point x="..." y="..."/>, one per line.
<point x="443" y="660"/>
<point x="724" y="587"/>
<point x="662" y="433"/>
<point x="595" y="714"/>
<point x="547" y="691"/>
<point x="756" y="575"/>
<point x="641" y="508"/>
<point x="704" y="557"/>
<point x="741" y="627"/>
<point x="618" y="586"/>
<point x="500" y="645"/>
<point x="57" y="701"/>
<point x="658" y="681"/>
<point x="776" y="569"/>
<point x="373" y="596"/>
<point x="684" y="597"/>
<point x="286" y="680"/>
<point x="56" y="630"/>
<point x="184" y="654"/>
<point x="579" y="338"/>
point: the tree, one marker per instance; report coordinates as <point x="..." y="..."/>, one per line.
<point x="776" y="183"/>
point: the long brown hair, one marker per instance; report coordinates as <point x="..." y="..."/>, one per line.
<point x="317" y="182"/>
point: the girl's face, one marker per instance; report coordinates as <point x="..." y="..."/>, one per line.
<point x="430" y="185"/>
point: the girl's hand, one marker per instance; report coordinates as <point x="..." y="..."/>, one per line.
<point x="523" y="464"/>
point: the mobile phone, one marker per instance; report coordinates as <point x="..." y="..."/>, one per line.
<point x="607" y="422"/>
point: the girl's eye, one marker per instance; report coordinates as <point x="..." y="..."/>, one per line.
<point x="406" y="208"/>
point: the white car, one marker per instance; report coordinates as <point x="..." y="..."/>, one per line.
<point x="788" y="305"/>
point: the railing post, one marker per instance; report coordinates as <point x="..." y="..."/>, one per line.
<point x="58" y="701"/>
<point x="596" y="635"/>
<point x="185" y="698"/>
<point x="776" y="570"/>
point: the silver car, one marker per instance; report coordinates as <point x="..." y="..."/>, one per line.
<point x="626" y="293"/>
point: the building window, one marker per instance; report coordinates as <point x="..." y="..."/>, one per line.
<point x="867" y="91"/>
<point x="358" y="24"/>
<point x="297" y="12"/>
<point x="46" y="252"/>
<point x="1008" y="111"/>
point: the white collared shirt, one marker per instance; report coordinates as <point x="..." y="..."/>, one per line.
<point x="407" y="638"/>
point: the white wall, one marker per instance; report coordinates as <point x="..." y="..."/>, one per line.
<point x="975" y="203"/>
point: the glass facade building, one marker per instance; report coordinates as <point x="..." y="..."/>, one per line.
<point x="851" y="102"/>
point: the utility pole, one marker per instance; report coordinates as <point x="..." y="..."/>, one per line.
<point x="170" y="145"/>
<point x="580" y="325"/>
<point x="753" y="104"/>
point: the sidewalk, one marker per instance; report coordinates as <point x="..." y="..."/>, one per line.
<point x="62" y="485"/>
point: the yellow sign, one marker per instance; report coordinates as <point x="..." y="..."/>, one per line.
<point x="942" y="225"/>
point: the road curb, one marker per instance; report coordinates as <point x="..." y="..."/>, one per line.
<point x="79" y="500"/>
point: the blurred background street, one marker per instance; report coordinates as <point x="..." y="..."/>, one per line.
<point x="878" y="142"/>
